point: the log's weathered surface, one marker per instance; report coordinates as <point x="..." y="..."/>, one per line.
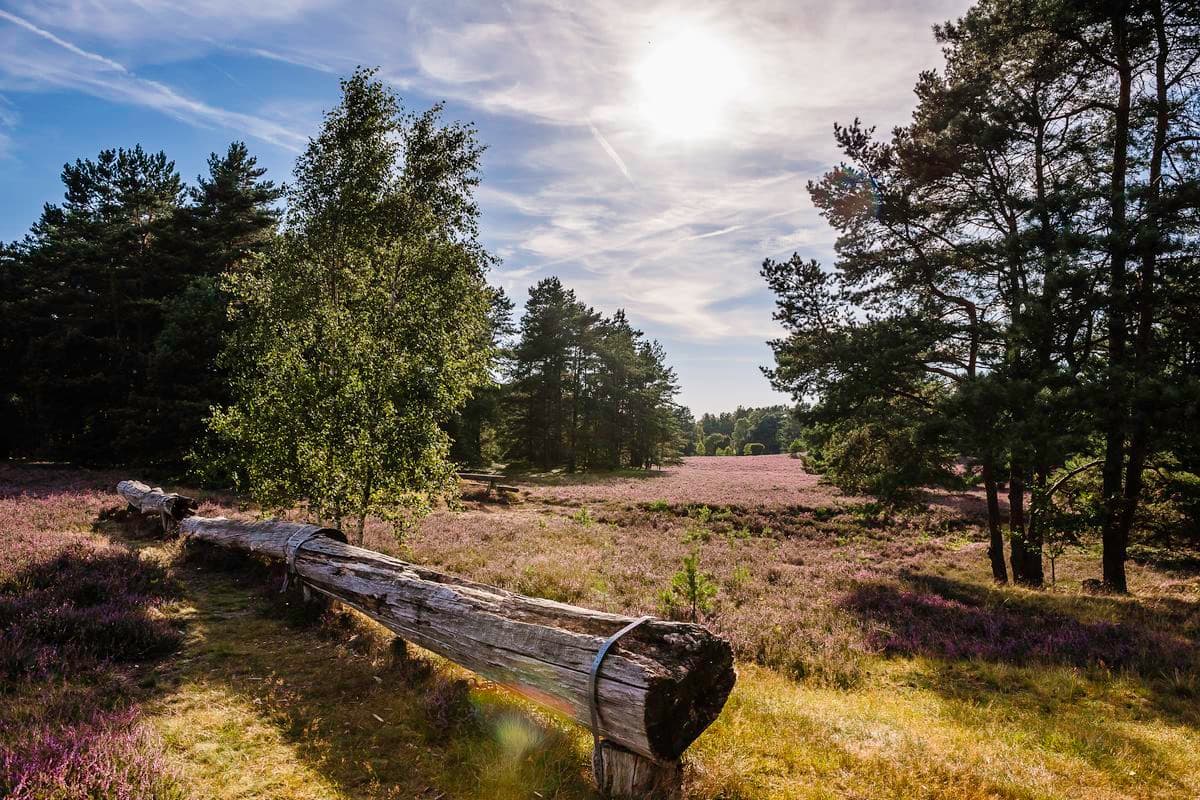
<point x="155" y="501"/>
<point x="660" y="686"/>
<point x="492" y="481"/>
<point x="630" y="776"/>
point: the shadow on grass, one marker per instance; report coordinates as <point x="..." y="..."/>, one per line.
<point x="929" y="624"/>
<point x="77" y="618"/>
<point x="1152" y="644"/>
<point x="264" y="678"/>
<point x="1090" y="677"/>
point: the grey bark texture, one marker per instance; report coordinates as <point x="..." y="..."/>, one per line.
<point x="659" y="688"/>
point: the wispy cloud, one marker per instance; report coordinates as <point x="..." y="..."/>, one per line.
<point x="285" y="58"/>
<point x="114" y="81"/>
<point x="580" y="180"/>
<point x="608" y="148"/>
<point x="8" y="121"/>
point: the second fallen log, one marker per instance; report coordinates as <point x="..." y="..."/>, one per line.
<point x="155" y="501"/>
<point x="659" y="687"/>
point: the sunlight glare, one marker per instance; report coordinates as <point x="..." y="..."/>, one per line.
<point x="687" y="84"/>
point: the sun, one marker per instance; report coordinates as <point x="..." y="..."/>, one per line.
<point x="687" y="84"/>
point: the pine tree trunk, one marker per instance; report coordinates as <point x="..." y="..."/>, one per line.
<point x="1113" y="538"/>
<point x="996" y="534"/>
<point x="1143" y="361"/>
<point x="1026" y="562"/>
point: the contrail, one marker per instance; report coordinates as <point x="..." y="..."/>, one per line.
<point x="721" y="232"/>
<point x="608" y="148"/>
<point x="45" y="34"/>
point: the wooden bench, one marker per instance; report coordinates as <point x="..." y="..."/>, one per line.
<point x="492" y="480"/>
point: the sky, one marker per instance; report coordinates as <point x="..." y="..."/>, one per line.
<point x="650" y="154"/>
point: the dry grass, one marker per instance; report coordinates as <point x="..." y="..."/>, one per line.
<point x="846" y="622"/>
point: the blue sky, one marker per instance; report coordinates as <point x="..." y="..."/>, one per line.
<point x="650" y="154"/>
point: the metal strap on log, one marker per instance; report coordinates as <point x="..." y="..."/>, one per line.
<point x="647" y="688"/>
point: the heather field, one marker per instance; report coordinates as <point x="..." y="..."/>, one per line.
<point x="876" y="659"/>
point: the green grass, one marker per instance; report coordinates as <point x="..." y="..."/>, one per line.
<point x="257" y="706"/>
<point x="263" y="701"/>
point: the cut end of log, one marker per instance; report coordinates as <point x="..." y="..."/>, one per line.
<point x="681" y="704"/>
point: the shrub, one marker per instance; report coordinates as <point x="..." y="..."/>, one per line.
<point x="110" y="755"/>
<point x="796" y="448"/>
<point x="71" y="610"/>
<point x="83" y="606"/>
<point x="753" y="449"/>
<point x="738" y="583"/>
<point x="884" y="461"/>
<point x="690" y="590"/>
<point x="448" y="707"/>
<point x="714" y="442"/>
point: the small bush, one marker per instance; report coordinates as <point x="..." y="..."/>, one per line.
<point x="738" y="583"/>
<point x="691" y="591"/>
<point x="714" y="443"/>
<point x="796" y="448"/>
<point x="753" y="449"/>
<point x="883" y="461"/>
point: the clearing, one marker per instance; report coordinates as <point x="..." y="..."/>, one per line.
<point x="876" y="659"/>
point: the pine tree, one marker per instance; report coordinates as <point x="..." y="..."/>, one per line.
<point x="95" y="278"/>
<point x="232" y="218"/>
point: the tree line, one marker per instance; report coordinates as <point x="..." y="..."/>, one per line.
<point x="1016" y="280"/>
<point x="112" y="311"/>
<point x="585" y="391"/>
<point x="767" y="430"/>
<point x="333" y="341"/>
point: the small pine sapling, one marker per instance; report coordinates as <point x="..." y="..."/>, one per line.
<point x="690" y="588"/>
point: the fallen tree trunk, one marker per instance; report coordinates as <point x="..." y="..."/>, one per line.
<point x="658" y="688"/>
<point x="155" y="501"/>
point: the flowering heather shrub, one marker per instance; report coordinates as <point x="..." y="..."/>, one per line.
<point x="448" y="706"/>
<point x="72" y="608"/>
<point x="107" y="756"/>
<point x="766" y="480"/>
<point x="71" y="605"/>
<point x="919" y="623"/>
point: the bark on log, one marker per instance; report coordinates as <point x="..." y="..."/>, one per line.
<point x="155" y="501"/>
<point x="659" y="687"/>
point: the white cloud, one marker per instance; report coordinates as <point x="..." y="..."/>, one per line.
<point x="50" y="37"/>
<point x="667" y="216"/>
<point x="8" y="121"/>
